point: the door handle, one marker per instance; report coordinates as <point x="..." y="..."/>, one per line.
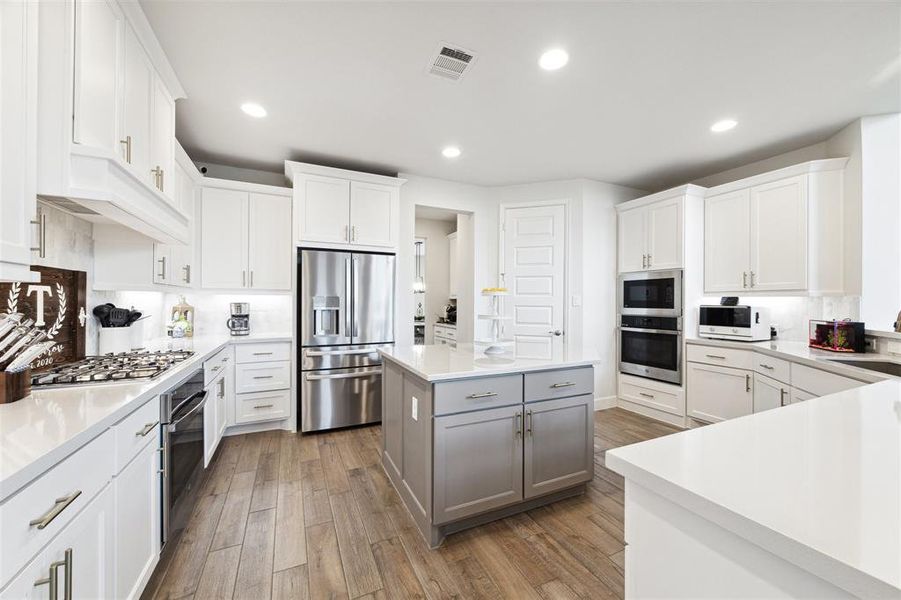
<point x="517" y="423"/>
<point x="127" y="143"/>
<point x="747" y="383"/>
<point x="556" y="332"/>
<point x="41" y="248"/>
<point x="563" y="385"/>
<point x="146" y="429"/>
<point x="314" y="353"/>
<point x="649" y="261"/>
<point x="529" y="423"/>
<point x="344" y="375"/>
<point x="262" y="376"/>
<point x="58" y="507"/>
<point x="347" y="301"/>
<point x="744" y="279"/>
<point x="187" y="270"/>
<point x="752" y="278"/>
<point x="781" y="397"/>
<point x="482" y="395"/>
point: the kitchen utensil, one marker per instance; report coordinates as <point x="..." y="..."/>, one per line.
<point x="16" y="334"/>
<point x="118" y="317"/>
<point x="133" y="315"/>
<point x="102" y="314"/>
<point x="8" y="322"/>
<point x="29" y="355"/>
<point x="32" y="337"/>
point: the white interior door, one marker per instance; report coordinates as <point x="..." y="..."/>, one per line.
<point x="534" y="273"/>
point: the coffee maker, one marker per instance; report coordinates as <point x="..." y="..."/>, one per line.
<point x="239" y="322"/>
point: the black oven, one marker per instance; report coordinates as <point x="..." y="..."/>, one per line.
<point x="651" y="347"/>
<point x="651" y="293"/>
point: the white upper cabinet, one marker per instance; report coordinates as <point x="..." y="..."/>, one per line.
<point x="453" y="275"/>
<point x="223" y="238"/>
<point x="336" y="208"/>
<point x="777" y="232"/>
<point x="98" y="44"/>
<point x="18" y="99"/>
<point x="322" y="209"/>
<point x="134" y="143"/>
<point x="162" y="141"/>
<point x="270" y="248"/>
<point x="727" y="238"/>
<point x="245" y="236"/>
<point x="373" y="214"/>
<point x="651" y="230"/>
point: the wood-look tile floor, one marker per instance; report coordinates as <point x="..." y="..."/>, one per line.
<point x="283" y="515"/>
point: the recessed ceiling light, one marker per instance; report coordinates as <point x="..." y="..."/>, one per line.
<point x="451" y="152"/>
<point x="254" y="110"/>
<point x="553" y="59"/>
<point x="724" y="125"/>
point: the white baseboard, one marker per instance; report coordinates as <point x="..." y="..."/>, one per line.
<point x="602" y="402"/>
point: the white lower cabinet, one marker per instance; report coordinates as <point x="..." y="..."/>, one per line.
<point x="769" y="393"/>
<point x="800" y="395"/>
<point x="719" y="393"/>
<point x="79" y="562"/>
<point x="137" y="521"/>
<point x="215" y="414"/>
<point x="262" y="386"/>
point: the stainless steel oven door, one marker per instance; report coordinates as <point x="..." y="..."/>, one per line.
<point x="182" y="460"/>
<point x="340" y="398"/>
<point x="651" y="353"/>
<point x="651" y="293"/>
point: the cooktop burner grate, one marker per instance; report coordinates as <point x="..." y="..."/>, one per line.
<point x="125" y="366"/>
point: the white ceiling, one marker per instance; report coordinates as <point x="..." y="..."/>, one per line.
<point x="346" y="84"/>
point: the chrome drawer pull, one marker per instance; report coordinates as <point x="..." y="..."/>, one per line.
<point x="59" y="506"/>
<point x="645" y="395"/>
<point x="146" y="429"/>
<point x="262" y="353"/>
<point x="715" y="356"/>
<point x="214" y="369"/>
<point x="770" y="367"/>
<point x="263" y="406"/>
<point x="563" y="385"/>
<point x="482" y="395"/>
<point x="262" y="376"/>
<point x="312" y="353"/>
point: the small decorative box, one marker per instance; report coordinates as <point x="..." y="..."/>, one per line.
<point x="837" y="336"/>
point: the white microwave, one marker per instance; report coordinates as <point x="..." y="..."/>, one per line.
<point x="740" y="323"/>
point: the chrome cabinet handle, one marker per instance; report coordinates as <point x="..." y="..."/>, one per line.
<point x="162" y="180"/>
<point x="563" y="385"/>
<point x="747" y="383"/>
<point x="187" y="270"/>
<point x="156" y="176"/>
<point x="216" y="368"/>
<point x="313" y="353"/>
<point x="41" y="248"/>
<point x="518" y="425"/>
<point x="222" y="388"/>
<point x="127" y="143"/>
<point x="645" y="395"/>
<point x="347" y="232"/>
<point x="52" y="578"/>
<point x="243" y="278"/>
<point x="263" y="406"/>
<point x="649" y="261"/>
<point x="715" y="356"/>
<point x="556" y="332"/>
<point x="781" y="397"/>
<point x="344" y="375"/>
<point x="251" y="278"/>
<point x="266" y="353"/>
<point x="529" y="422"/>
<point x="59" y="505"/>
<point x="765" y="366"/>
<point x="146" y="429"/>
<point x="744" y="279"/>
<point x="752" y="278"/>
<point x="262" y="376"/>
<point x="644" y="261"/>
<point x="353" y="233"/>
<point x="162" y="273"/>
<point x="482" y="395"/>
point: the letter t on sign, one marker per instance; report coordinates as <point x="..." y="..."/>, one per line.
<point x="41" y="290"/>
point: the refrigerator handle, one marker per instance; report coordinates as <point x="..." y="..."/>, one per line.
<point x="356" y="273"/>
<point x="347" y="299"/>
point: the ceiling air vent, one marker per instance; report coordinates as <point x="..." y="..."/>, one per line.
<point x="451" y="62"/>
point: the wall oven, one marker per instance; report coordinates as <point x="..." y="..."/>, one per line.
<point x="181" y="416"/>
<point x="651" y="347"/>
<point x="651" y="293"/>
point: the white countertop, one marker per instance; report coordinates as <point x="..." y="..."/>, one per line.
<point x="441" y="363"/>
<point x="47" y="426"/>
<point x="800" y="352"/>
<point x="817" y="483"/>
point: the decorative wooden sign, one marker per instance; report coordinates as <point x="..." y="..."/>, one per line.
<point x="57" y="305"/>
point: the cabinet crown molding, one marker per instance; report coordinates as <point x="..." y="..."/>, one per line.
<point x="812" y="166"/>
<point x="244" y="186"/>
<point x="293" y="168"/>
<point x="676" y="192"/>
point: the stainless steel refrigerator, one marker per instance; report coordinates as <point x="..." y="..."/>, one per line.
<point x="346" y="312"/>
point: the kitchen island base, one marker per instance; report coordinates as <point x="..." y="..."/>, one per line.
<point x="478" y="447"/>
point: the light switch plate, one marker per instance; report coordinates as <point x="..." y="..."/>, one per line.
<point x="414" y="408"/>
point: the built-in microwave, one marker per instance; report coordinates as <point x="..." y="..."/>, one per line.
<point x="651" y="293"/>
<point x="744" y="323"/>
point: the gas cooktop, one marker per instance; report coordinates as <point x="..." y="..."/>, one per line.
<point x="126" y="366"/>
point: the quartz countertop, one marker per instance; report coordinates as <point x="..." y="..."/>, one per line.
<point x="817" y="483"/>
<point x="442" y="363"/>
<point x="51" y="423"/>
<point x="800" y="352"/>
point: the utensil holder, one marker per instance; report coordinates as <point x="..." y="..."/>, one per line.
<point x="14" y="386"/>
<point x="114" y="340"/>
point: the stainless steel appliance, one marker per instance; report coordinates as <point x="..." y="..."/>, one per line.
<point x="346" y="312"/>
<point x="651" y="293"/>
<point x="741" y="323"/>
<point x="239" y="322"/>
<point x="651" y="347"/>
<point x="181" y="418"/>
<point x="126" y="366"/>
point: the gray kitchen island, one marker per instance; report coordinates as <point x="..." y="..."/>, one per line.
<point x="469" y="438"/>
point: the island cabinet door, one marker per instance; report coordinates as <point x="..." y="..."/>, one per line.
<point x="478" y="462"/>
<point x="559" y="444"/>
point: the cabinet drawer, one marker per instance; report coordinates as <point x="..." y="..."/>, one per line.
<point x="262" y="406"/>
<point x="476" y="394"/>
<point x="213" y="366"/>
<point x="251" y="353"/>
<point x="778" y="369"/>
<point x="723" y="357"/>
<point x="820" y="383"/>
<point x="62" y="491"/>
<point x="136" y="431"/>
<point x="672" y="402"/>
<point x="448" y="332"/>
<point x="561" y="383"/>
<point x="262" y="377"/>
